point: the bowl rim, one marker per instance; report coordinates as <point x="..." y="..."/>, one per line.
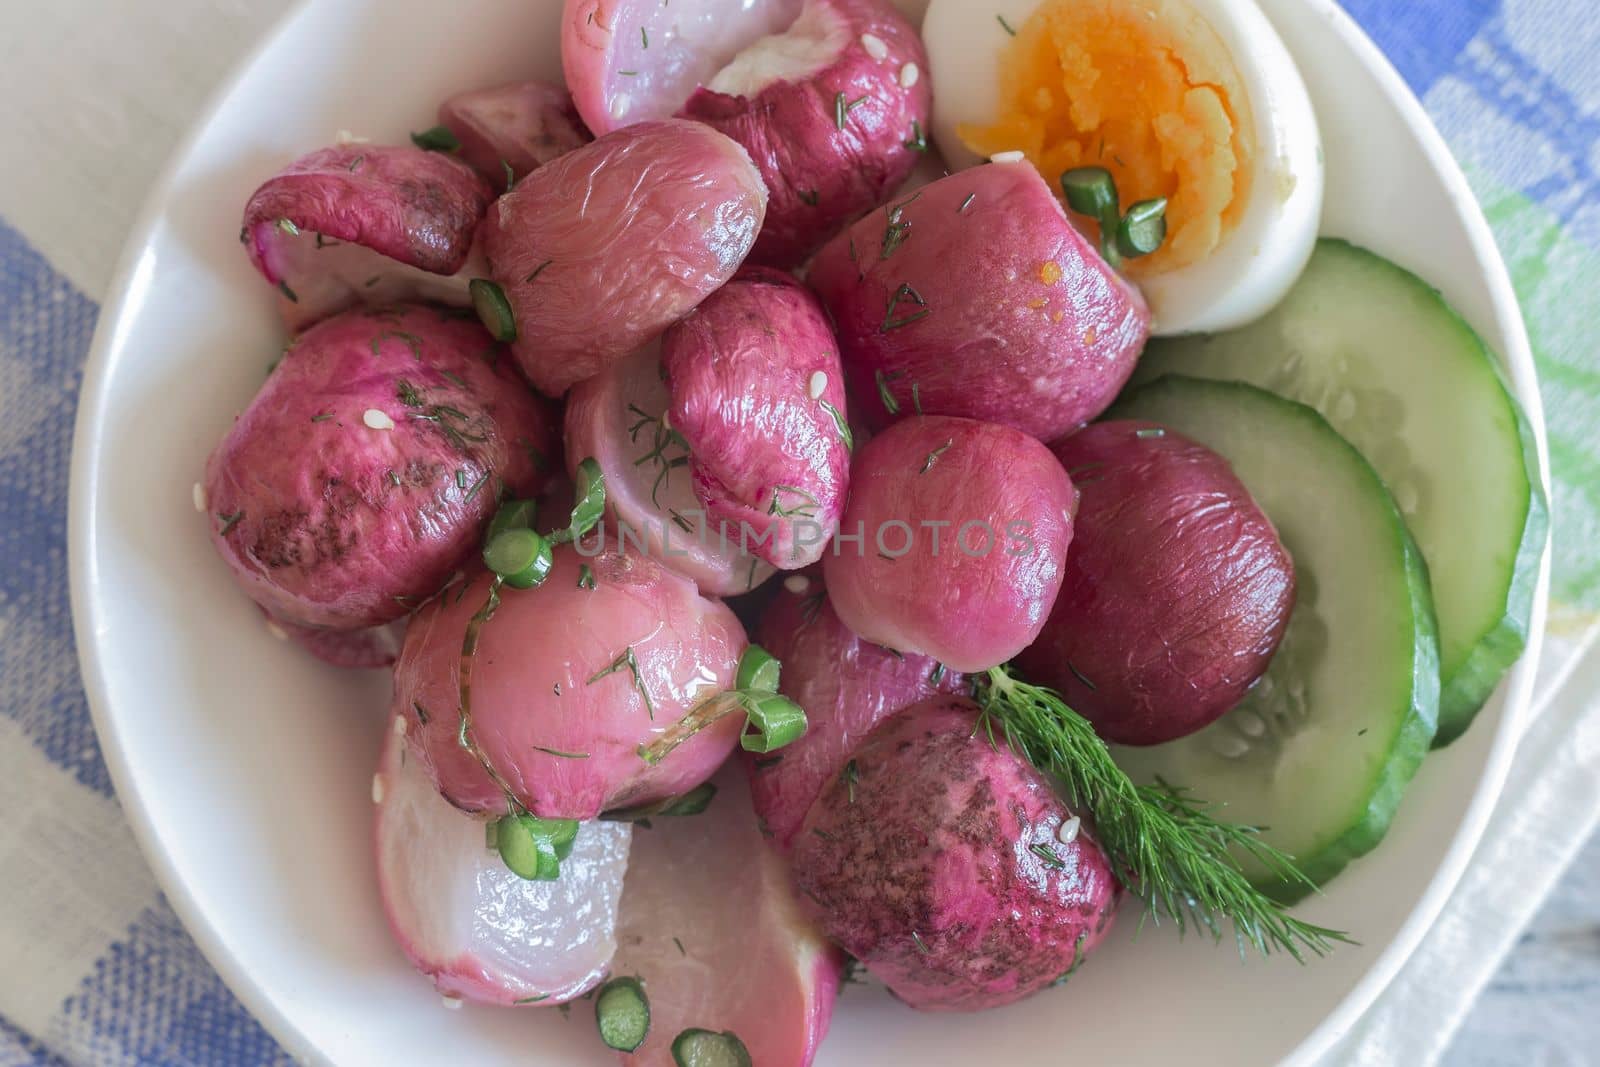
<point x="110" y="343"/>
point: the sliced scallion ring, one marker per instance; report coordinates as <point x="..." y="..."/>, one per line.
<point x="758" y="670"/>
<point x="622" y="1014"/>
<point x="533" y="848"/>
<point x="519" y="556"/>
<point x="776" y="720"/>
<point x="513" y="515"/>
<point x="1143" y="228"/>
<point x="706" y="1048"/>
<point x="1090" y="191"/>
<point x="494" y="310"/>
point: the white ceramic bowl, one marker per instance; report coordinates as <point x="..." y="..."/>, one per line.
<point x="245" y="768"/>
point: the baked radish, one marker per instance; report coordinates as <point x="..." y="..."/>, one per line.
<point x="1177" y="589"/>
<point x="847" y="687"/>
<point x="569" y="679"/>
<point x="949" y="867"/>
<point x="510" y="131"/>
<point x="953" y="540"/>
<point x="764" y="973"/>
<point x="598" y="251"/>
<point x="374" y="647"/>
<point x="365" y="224"/>
<point x="621" y="419"/>
<point x="834" y="111"/>
<point x="727" y="455"/>
<point x="974" y="296"/>
<point x="361" y="475"/>
<point x="466" y="921"/>
<point x="629" y="61"/>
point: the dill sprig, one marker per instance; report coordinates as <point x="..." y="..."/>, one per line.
<point x="1164" y="845"/>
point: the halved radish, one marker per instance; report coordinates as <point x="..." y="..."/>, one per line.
<point x="847" y="685"/>
<point x="376" y="646"/>
<point x="620" y="419"/>
<point x="510" y="131"/>
<point x="631" y="60"/>
<point x="466" y="921"/>
<point x="835" y="112"/>
<point x="365" y="224"/>
<point x="710" y="925"/>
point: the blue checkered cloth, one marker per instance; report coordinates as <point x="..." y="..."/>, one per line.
<point x="1511" y="83"/>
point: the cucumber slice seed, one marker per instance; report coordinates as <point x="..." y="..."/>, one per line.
<point x="1382" y="356"/>
<point x="622" y="1014"/>
<point x="706" y="1048"/>
<point x="1322" y="748"/>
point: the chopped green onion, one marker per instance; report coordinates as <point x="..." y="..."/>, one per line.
<point x="520" y="556"/>
<point x="777" y="721"/>
<point x="758" y="671"/>
<point x="1090" y="191"/>
<point x="437" y="139"/>
<point x="1143" y="228"/>
<point x="533" y="848"/>
<point x="494" y="310"/>
<point x="622" y="1014"/>
<point x="705" y="1048"/>
<point x="513" y="515"/>
<point x="591" y="486"/>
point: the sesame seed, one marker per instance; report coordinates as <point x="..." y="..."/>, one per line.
<point x="1067" y="832"/>
<point x="200" y="499"/>
<point x="277" y="631"/>
<point x="377" y="420"/>
<point x="453" y="1003"/>
<point x="1007" y="157"/>
<point x="400" y="725"/>
<point x="797" y="584"/>
<point x="909" y="75"/>
<point x="875" y="47"/>
<point x="377" y="789"/>
<point x="619" y="105"/>
<point x="819" y="384"/>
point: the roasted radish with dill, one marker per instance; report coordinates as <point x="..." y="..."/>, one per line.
<point x="728" y="454"/>
<point x="364" y="224"/>
<point x="361" y="475"/>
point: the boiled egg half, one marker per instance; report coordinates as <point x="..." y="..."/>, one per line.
<point x="1197" y="101"/>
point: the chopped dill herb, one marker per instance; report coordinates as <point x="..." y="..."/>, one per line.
<point x="629" y="662"/>
<point x="933" y="457"/>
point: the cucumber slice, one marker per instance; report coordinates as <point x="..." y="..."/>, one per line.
<point x="1396" y="371"/>
<point x="1322" y="748"/>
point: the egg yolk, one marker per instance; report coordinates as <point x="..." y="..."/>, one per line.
<point x="1144" y="88"/>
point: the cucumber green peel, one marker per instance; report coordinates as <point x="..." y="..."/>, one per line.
<point x="1324" y="746"/>
<point x="1381" y="355"/>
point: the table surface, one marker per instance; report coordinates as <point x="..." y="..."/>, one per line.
<point x="97" y="968"/>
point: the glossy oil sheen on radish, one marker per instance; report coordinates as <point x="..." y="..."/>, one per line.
<point x="961" y="529"/>
<point x="568" y="682"/>
<point x="361" y="475"/>
<point x="974" y="296"/>
<point x="949" y="866"/>
<point x="466" y="921"/>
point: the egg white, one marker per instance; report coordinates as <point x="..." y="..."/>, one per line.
<point x="1271" y="240"/>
